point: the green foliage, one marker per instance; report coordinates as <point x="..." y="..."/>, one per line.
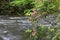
<point x="22" y="5"/>
<point x="4" y="7"/>
<point x="46" y="33"/>
<point x="28" y="30"/>
<point x="50" y="7"/>
<point x="15" y="7"/>
<point x="39" y="4"/>
<point x="27" y="12"/>
<point x="43" y="32"/>
<point x="20" y="2"/>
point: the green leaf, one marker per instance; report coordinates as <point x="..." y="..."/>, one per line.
<point x="51" y="6"/>
<point x="28" y="30"/>
<point x="39" y="4"/>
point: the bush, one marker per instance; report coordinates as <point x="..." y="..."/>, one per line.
<point x="15" y="7"/>
<point x="4" y="7"/>
<point x="25" y="7"/>
<point x="21" y="6"/>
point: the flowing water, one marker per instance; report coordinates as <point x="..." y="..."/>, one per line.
<point x="12" y="28"/>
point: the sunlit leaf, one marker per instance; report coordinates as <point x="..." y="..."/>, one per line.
<point x="28" y="30"/>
